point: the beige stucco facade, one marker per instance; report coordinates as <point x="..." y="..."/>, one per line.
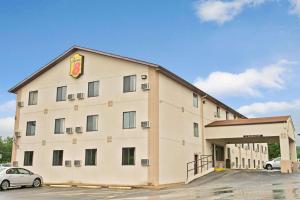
<point x="169" y="143"/>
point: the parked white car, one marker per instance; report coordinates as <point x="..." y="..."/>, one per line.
<point x="273" y="164"/>
<point x="18" y="177"/>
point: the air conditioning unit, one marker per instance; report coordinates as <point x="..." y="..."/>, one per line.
<point x="15" y="164"/>
<point x="78" y="129"/>
<point x="77" y="163"/>
<point x="80" y="95"/>
<point x="18" y="134"/>
<point x="71" y="97"/>
<point x="69" y="130"/>
<point x="68" y="163"/>
<point x="145" y="124"/>
<point x="144" y="76"/>
<point x="21" y="104"/>
<point x="145" y="162"/>
<point x="145" y="86"/>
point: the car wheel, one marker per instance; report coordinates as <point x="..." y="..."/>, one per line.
<point x="5" y="185"/>
<point x="36" y="183"/>
<point x="269" y="167"/>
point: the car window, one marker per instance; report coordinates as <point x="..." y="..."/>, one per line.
<point x="23" y="171"/>
<point x="12" y="171"/>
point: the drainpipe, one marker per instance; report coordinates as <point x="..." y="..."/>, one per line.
<point x="202" y="125"/>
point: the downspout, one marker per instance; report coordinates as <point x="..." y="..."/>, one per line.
<point x="203" y="126"/>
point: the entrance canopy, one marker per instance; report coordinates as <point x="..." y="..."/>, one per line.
<point x="257" y="130"/>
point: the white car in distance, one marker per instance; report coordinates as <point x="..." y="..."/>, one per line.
<point x="18" y="177"/>
<point x="273" y="164"/>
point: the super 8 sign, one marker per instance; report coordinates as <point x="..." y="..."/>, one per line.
<point x="76" y="65"/>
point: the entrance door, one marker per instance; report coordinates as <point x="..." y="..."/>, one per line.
<point x="195" y="164"/>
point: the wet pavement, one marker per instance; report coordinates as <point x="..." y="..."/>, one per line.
<point x="215" y="186"/>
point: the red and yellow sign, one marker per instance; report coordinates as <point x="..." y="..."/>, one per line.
<point x="76" y="65"/>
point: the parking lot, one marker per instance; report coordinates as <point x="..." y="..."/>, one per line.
<point x="222" y="185"/>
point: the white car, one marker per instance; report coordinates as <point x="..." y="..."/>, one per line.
<point x="18" y="177"/>
<point x="273" y="164"/>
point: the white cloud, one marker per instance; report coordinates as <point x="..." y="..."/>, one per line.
<point x="247" y="83"/>
<point x="221" y="11"/>
<point x="295" y="7"/>
<point x="6" y="126"/>
<point x="7" y="108"/>
<point x="263" y="108"/>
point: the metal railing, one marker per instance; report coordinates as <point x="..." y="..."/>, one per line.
<point x="202" y="164"/>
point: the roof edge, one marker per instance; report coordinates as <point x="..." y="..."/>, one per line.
<point x="168" y="73"/>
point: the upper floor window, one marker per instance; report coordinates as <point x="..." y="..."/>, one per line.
<point x="129" y="83"/>
<point x="59" y="126"/>
<point x="28" y="158"/>
<point x="196" y="130"/>
<point x="93" y="89"/>
<point x="30" y="129"/>
<point x="90" y="156"/>
<point x="128" y="156"/>
<point x="195" y="100"/>
<point x="218" y="112"/>
<point x="33" y="98"/>
<point x="227" y="115"/>
<point x="57" y="158"/>
<point x="92" y="123"/>
<point x="61" y="93"/>
<point x="129" y="119"/>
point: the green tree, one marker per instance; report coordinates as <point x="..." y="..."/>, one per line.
<point x="274" y="150"/>
<point x="298" y="152"/>
<point x="5" y="149"/>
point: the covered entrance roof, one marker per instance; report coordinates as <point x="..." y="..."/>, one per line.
<point x="257" y="130"/>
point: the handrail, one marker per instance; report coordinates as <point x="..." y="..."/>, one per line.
<point x="204" y="162"/>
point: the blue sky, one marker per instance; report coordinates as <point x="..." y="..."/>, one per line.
<point x="244" y="52"/>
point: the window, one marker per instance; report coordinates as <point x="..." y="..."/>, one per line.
<point x="129" y="119"/>
<point x="196" y="130"/>
<point x="258" y="147"/>
<point x="195" y="100"/>
<point x="228" y="153"/>
<point x="218" y="114"/>
<point x="92" y="123"/>
<point x="242" y="146"/>
<point x="12" y="171"/>
<point x="93" y="89"/>
<point x="129" y="83"/>
<point x="253" y="163"/>
<point x="61" y="93"/>
<point x="90" y="157"/>
<point x="28" y="158"/>
<point x="249" y="163"/>
<point x="243" y="162"/>
<point x="59" y="126"/>
<point x="227" y="115"/>
<point x="23" y="171"/>
<point x="236" y="162"/>
<point x="33" y="98"/>
<point x="128" y="156"/>
<point x="253" y="148"/>
<point x="57" y="157"/>
<point x="30" y="129"/>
